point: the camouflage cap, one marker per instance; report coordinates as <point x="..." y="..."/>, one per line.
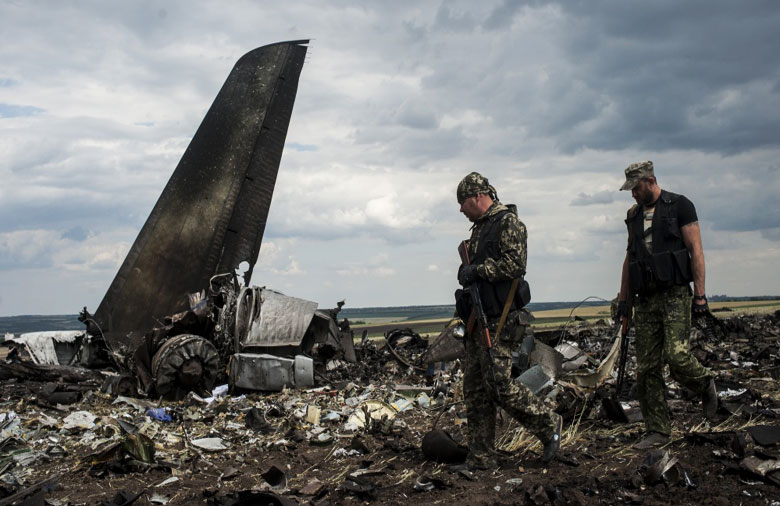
<point x="474" y="184"/>
<point x="636" y="172"/>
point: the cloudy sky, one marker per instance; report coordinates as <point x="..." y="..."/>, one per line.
<point x="397" y="102"/>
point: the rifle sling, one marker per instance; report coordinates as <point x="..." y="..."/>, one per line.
<point x="507" y="305"/>
<point x="471" y="321"/>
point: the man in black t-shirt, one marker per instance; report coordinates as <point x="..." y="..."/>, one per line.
<point x="663" y="256"/>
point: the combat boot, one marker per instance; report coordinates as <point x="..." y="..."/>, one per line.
<point x="652" y="440"/>
<point x="554" y="442"/>
<point x="481" y="462"/>
<point x="709" y="401"/>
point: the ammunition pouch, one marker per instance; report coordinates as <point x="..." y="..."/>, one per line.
<point x="495" y="295"/>
<point x="462" y="303"/>
<point x="523" y="295"/>
<point x="660" y="270"/>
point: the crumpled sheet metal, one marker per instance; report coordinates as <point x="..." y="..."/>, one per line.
<point x="444" y="347"/>
<point x="569" y="351"/>
<point x="760" y="467"/>
<point x="573" y="357"/>
<point x="274" y="319"/>
<point x="377" y="410"/>
<point x="655" y="464"/>
<point x="261" y="371"/>
<point x="548" y="357"/>
<point x="602" y="372"/>
<point x="765" y="435"/>
<point x="324" y="331"/>
<point x="535" y="378"/>
<point x="660" y="465"/>
<point x="41" y="345"/>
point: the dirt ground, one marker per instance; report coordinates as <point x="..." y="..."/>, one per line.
<point x="273" y="453"/>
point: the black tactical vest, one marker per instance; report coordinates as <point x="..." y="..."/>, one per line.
<point x="494" y="295"/>
<point x="670" y="263"/>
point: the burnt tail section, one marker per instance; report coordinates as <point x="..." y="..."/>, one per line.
<point x="212" y="213"/>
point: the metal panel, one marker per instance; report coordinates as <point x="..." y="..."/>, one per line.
<point x="212" y="213"/>
<point x="282" y="320"/>
<point x="535" y="378"/>
<point x="269" y="372"/>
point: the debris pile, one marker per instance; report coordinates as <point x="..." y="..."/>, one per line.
<point x="387" y="427"/>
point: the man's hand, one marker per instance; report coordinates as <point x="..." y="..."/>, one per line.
<point x="699" y="306"/>
<point x="467" y="274"/>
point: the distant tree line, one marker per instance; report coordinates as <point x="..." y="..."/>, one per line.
<point x="726" y="298"/>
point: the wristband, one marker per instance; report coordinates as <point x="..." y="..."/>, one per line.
<point x="700" y="297"/>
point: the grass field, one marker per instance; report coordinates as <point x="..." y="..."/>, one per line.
<point x="551" y="317"/>
<point x="424" y="320"/>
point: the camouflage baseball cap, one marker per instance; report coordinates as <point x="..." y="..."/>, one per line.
<point x="474" y="184"/>
<point x="635" y="172"/>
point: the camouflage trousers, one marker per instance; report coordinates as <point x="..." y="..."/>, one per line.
<point x="663" y="325"/>
<point x="480" y="393"/>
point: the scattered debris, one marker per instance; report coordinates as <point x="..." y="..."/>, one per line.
<point x="765" y="435"/>
<point x="372" y="429"/>
<point x="438" y="445"/>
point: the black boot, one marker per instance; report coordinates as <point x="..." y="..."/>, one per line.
<point x="552" y="444"/>
<point x="709" y="401"/>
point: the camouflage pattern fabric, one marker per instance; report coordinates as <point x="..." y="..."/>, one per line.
<point x="512" y="245"/>
<point x="637" y="172"/>
<point x="478" y="387"/>
<point x="663" y="325"/>
<point x="474" y="184"/>
<point x="516" y="399"/>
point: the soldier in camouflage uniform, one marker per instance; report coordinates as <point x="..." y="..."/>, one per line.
<point x="497" y="250"/>
<point x="664" y="255"/>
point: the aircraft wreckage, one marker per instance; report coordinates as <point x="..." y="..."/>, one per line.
<point x="177" y="316"/>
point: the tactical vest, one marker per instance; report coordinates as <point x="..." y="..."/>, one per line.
<point x="494" y="295"/>
<point x="670" y="263"/>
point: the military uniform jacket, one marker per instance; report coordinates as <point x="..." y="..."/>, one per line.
<point x="498" y="247"/>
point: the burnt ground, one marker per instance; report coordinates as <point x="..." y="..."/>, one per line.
<point x="273" y="454"/>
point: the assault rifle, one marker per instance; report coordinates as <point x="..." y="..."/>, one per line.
<point x="623" y="351"/>
<point x="612" y="404"/>
<point x="477" y="316"/>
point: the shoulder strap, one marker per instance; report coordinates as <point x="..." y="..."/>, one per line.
<point x="507" y="305"/>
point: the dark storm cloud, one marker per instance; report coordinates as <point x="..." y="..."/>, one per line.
<point x="414" y="145"/>
<point x="730" y="195"/>
<point x="666" y="75"/>
<point x="501" y="16"/>
<point x="771" y="234"/>
<point x="754" y="208"/>
<point x="397" y="101"/>
<point x="449" y="19"/>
